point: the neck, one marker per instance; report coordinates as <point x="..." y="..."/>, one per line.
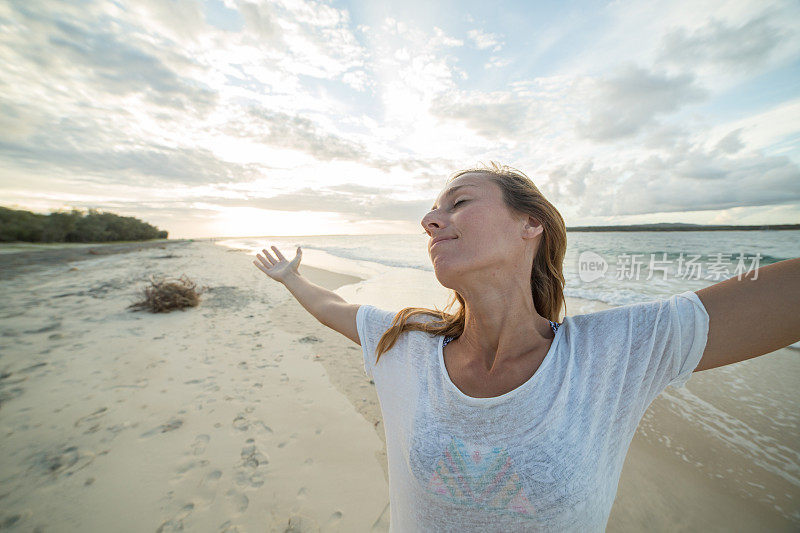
<point x="501" y="325"/>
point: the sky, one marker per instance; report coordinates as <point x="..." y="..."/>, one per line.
<point x="294" y="117"/>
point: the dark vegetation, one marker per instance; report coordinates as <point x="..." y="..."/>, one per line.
<point x="678" y="226"/>
<point x="73" y="226"/>
<point x="163" y="296"/>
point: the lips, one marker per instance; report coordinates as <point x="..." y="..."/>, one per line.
<point x="441" y="239"/>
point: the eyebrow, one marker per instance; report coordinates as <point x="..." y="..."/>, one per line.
<point x="452" y="191"/>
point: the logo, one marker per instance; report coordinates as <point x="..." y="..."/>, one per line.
<point x="591" y="266"/>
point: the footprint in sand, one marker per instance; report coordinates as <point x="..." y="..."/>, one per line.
<point x="251" y="470"/>
<point x="176" y="523"/>
<point x="199" y="444"/>
<point x="207" y="489"/>
<point x="241" y="423"/>
<point x="262" y="426"/>
<point x="62" y="460"/>
<point x="237" y="501"/>
<point x="333" y="520"/>
<point x="171" y="425"/>
<point x="14" y="521"/>
<point x="284" y="443"/>
<point x="93" y="417"/>
<point x="252" y="458"/>
<point x="228" y="527"/>
<point x="296" y="524"/>
<point x="188" y="465"/>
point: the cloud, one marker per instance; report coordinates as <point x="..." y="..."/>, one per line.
<point x="262" y="20"/>
<point x="703" y="183"/>
<point x="665" y="136"/>
<point x="565" y="182"/>
<point x="441" y="39"/>
<point x="315" y="39"/>
<point x="178" y="20"/>
<point x="627" y="101"/>
<point x="742" y="47"/>
<point x="490" y="115"/>
<point x="731" y="143"/>
<point x="299" y="133"/>
<point x="355" y="188"/>
<point x="498" y="62"/>
<point x="120" y="68"/>
<point x="358" y="206"/>
<point x="689" y="180"/>
<point x="485" y="40"/>
<point x="17" y="122"/>
<point x="144" y="165"/>
<point x="90" y="148"/>
<point x="68" y="51"/>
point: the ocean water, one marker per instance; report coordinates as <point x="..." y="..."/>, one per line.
<point x="680" y="261"/>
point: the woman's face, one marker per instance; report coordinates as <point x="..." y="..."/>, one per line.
<point x="483" y="237"/>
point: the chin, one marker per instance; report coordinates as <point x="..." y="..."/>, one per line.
<point x="448" y="277"/>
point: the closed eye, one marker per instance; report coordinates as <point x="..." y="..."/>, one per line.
<point x="459" y="202"/>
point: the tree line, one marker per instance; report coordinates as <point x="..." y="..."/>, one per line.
<point x="73" y="226"/>
<point x="679" y="226"/>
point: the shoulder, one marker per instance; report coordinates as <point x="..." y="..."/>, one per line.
<point x="372" y="313"/>
<point x="377" y="314"/>
<point x="636" y="317"/>
<point x="375" y="320"/>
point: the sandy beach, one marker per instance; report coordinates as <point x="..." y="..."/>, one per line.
<point x="246" y="414"/>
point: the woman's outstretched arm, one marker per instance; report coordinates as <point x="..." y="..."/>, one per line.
<point x="326" y="306"/>
<point x="752" y="316"/>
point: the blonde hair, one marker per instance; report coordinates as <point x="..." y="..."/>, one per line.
<point x="547" y="279"/>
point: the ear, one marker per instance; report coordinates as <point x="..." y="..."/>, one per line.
<point x="532" y="228"/>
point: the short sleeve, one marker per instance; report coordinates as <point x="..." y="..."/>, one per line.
<point x="668" y="337"/>
<point x="371" y="323"/>
<point x="691" y="334"/>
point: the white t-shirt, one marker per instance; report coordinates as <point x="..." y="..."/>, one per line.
<point x="546" y="456"/>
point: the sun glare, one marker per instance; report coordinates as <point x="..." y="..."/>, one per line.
<point x="249" y="221"/>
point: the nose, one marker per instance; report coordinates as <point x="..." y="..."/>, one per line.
<point x="430" y="221"/>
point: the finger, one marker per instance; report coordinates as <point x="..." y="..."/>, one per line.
<point x="279" y="254"/>
<point x="264" y="261"/>
<point x="258" y="266"/>
<point x="271" y="259"/>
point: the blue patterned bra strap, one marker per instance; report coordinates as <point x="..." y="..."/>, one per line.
<point x="553" y="325"/>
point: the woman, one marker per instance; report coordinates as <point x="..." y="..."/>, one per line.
<point x="497" y="417"/>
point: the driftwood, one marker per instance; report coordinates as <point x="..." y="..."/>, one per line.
<point x="163" y="296"/>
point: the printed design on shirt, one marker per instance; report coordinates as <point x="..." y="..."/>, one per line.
<point x="479" y="476"/>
